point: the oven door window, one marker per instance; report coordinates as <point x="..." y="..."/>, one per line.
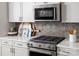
<point x="45" y="13"/>
<point x="37" y="54"/>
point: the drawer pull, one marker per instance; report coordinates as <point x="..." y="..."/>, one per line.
<point x="6" y="42"/>
<point x="20" y="18"/>
<point x="11" y="50"/>
<point x="20" y="44"/>
<point x="66" y="52"/>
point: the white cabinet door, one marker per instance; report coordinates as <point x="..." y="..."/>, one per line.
<point x="6" y="50"/>
<point x="70" y="12"/>
<point x="7" y="47"/>
<point x="21" y="51"/>
<point x="28" y="12"/>
<point x="15" y="12"/>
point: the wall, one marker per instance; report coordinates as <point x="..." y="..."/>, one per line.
<point x="3" y="19"/>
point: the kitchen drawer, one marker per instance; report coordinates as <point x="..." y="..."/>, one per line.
<point x="7" y="42"/>
<point x="60" y="54"/>
<point x="20" y="44"/>
<point x="66" y="51"/>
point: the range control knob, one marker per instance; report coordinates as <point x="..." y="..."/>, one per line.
<point x="39" y="46"/>
<point x="49" y="47"/>
<point x="28" y="44"/>
<point x="31" y="45"/>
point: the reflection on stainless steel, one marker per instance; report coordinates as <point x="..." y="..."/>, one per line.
<point x="45" y="44"/>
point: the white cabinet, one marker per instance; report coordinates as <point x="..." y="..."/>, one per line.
<point x="70" y="12"/>
<point x="6" y="48"/>
<point x="21" y="49"/>
<point x="61" y="51"/>
<point x="15" y="14"/>
<point x="64" y="51"/>
<point x="21" y="12"/>
<point x="65" y="48"/>
<point x="13" y="48"/>
<point x="28" y="12"/>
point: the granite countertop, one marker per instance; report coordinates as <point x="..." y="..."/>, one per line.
<point x="65" y="43"/>
<point x="16" y="38"/>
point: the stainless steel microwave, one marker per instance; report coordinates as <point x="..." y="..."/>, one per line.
<point x="47" y="12"/>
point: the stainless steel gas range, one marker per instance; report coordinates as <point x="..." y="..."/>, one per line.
<point x="44" y="45"/>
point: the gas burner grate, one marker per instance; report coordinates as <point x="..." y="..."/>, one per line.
<point x="48" y="39"/>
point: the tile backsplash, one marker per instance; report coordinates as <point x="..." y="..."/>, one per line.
<point x="55" y="28"/>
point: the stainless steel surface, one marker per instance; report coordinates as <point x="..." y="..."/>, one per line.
<point x="48" y="52"/>
<point x="57" y="6"/>
<point x="47" y="47"/>
<point x="40" y="50"/>
<point x="42" y="46"/>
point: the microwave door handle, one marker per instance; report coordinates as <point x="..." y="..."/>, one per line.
<point x="54" y="13"/>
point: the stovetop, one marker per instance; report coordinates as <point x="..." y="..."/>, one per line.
<point x="48" y="39"/>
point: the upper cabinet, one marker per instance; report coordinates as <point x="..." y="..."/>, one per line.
<point x="21" y="12"/>
<point x="15" y="12"/>
<point x="70" y="12"/>
<point x="28" y="12"/>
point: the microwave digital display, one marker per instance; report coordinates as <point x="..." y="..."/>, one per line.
<point x="45" y="13"/>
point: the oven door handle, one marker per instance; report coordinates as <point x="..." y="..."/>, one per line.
<point x="54" y="13"/>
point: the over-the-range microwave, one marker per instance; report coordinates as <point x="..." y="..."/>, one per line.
<point x="47" y="12"/>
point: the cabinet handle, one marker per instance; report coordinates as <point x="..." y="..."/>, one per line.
<point x="6" y="42"/>
<point x="11" y="50"/>
<point x="58" y="49"/>
<point x="20" y="44"/>
<point x="66" y="52"/>
<point x="20" y="18"/>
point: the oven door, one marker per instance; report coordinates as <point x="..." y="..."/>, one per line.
<point x="41" y="52"/>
